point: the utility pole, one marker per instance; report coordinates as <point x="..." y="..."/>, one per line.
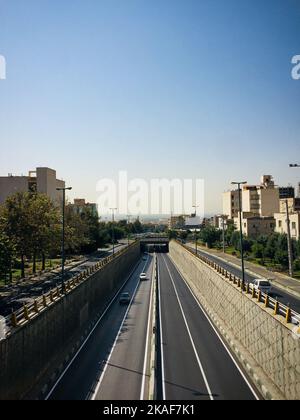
<point x="63" y="236"/>
<point x="196" y="238"/>
<point x="128" y="222"/>
<point x="223" y="233"/>
<point x="241" y="230"/>
<point x="113" y="227"/>
<point x="290" y="246"/>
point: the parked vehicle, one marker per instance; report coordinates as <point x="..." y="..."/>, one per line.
<point x="263" y="285"/>
<point x="125" y="298"/>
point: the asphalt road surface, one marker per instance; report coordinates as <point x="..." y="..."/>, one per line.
<point x="196" y="364"/>
<point x="100" y="369"/>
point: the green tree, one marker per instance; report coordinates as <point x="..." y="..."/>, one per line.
<point x="210" y="235"/>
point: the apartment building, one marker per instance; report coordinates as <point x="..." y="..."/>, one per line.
<point x="42" y="180"/>
<point x="281" y="224"/>
<point x="231" y="204"/>
<point x="255" y="226"/>
<point x="262" y="200"/>
<point x="80" y="206"/>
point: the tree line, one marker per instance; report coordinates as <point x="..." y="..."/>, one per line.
<point x="266" y="249"/>
<point x="31" y="230"/>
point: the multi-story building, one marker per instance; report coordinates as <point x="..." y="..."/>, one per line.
<point x="293" y="205"/>
<point x="281" y="224"/>
<point x="80" y="207"/>
<point x="231" y="204"/>
<point x="254" y="226"/>
<point x="261" y="200"/>
<point x="42" y="180"/>
<point x="286" y="192"/>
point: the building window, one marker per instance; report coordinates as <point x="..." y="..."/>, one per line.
<point x="280" y="223"/>
<point x="293" y="225"/>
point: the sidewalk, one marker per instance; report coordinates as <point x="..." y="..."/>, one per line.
<point x="279" y="280"/>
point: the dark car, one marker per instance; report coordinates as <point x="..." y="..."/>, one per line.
<point x="124" y="298"/>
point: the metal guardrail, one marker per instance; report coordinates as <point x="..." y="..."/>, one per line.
<point x="30" y="311"/>
<point x="290" y="316"/>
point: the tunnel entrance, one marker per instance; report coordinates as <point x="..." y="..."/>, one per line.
<point x="155" y="244"/>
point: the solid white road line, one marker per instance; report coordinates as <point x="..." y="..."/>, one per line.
<point x="147" y="336"/>
<point x="190" y="335"/>
<point x="117" y="337"/>
<point x="92" y="331"/>
<point x="161" y="339"/>
<point x="220" y="338"/>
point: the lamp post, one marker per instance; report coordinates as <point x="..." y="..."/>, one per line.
<point x="128" y="223"/>
<point x="288" y="225"/>
<point x="196" y="239"/>
<point x="63" y="235"/>
<point x="241" y="230"/>
<point x="113" y="209"/>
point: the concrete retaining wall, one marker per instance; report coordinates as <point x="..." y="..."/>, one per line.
<point x="33" y="351"/>
<point x="271" y="346"/>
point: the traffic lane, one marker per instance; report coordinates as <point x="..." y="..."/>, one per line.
<point x="182" y="376"/>
<point x="124" y="374"/>
<point x="81" y="378"/>
<point x="224" y="377"/>
<point x="283" y="297"/>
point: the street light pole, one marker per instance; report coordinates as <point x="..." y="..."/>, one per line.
<point x="223" y="233"/>
<point x="63" y="235"/>
<point x="196" y="239"/>
<point x="113" y="227"/>
<point x="128" y="222"/>
<point x="290" y="247"/>
<point x="241" y="230"/>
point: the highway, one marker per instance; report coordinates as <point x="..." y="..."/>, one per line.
<point x="195" y="362"/>
<point x="284" y="297"/>
<point x="113" y="361"/>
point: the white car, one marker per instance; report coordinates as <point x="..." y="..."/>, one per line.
<point x="263" y="285"/>
<point x="143" y="276"/>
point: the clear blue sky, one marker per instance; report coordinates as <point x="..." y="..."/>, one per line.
<point x="161" y="88"/>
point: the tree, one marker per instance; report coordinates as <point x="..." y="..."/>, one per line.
<point x="7" y="252"/>
<point x="210" y="235"/>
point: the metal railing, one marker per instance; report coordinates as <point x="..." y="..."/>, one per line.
<point x="30" y="311"/>
<point x="290" y="316"/>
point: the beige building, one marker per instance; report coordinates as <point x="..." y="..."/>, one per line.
<point x="254" y="226"/>
<point x="281" y="224"/>
<point x="80" y="206"/>
<point x="42" y="180"/>
<point x="293" y="205"/>
<point x="231" y="204"/>
<point x="262" y="200"/>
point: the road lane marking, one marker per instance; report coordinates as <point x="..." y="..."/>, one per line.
<point x="190" y="335"/>
<point x="147" y="336"/>
<point x="161" y="338"/>
<point x="220" y="338"/>
<point x="92" y="331"/>
<point x="117" y="337"/>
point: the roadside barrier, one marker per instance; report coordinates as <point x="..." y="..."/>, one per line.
<point x="30" y="311"/>
<point x="287" y="314"/>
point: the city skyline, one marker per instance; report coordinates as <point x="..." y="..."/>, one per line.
<point x="160" y="90"/>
